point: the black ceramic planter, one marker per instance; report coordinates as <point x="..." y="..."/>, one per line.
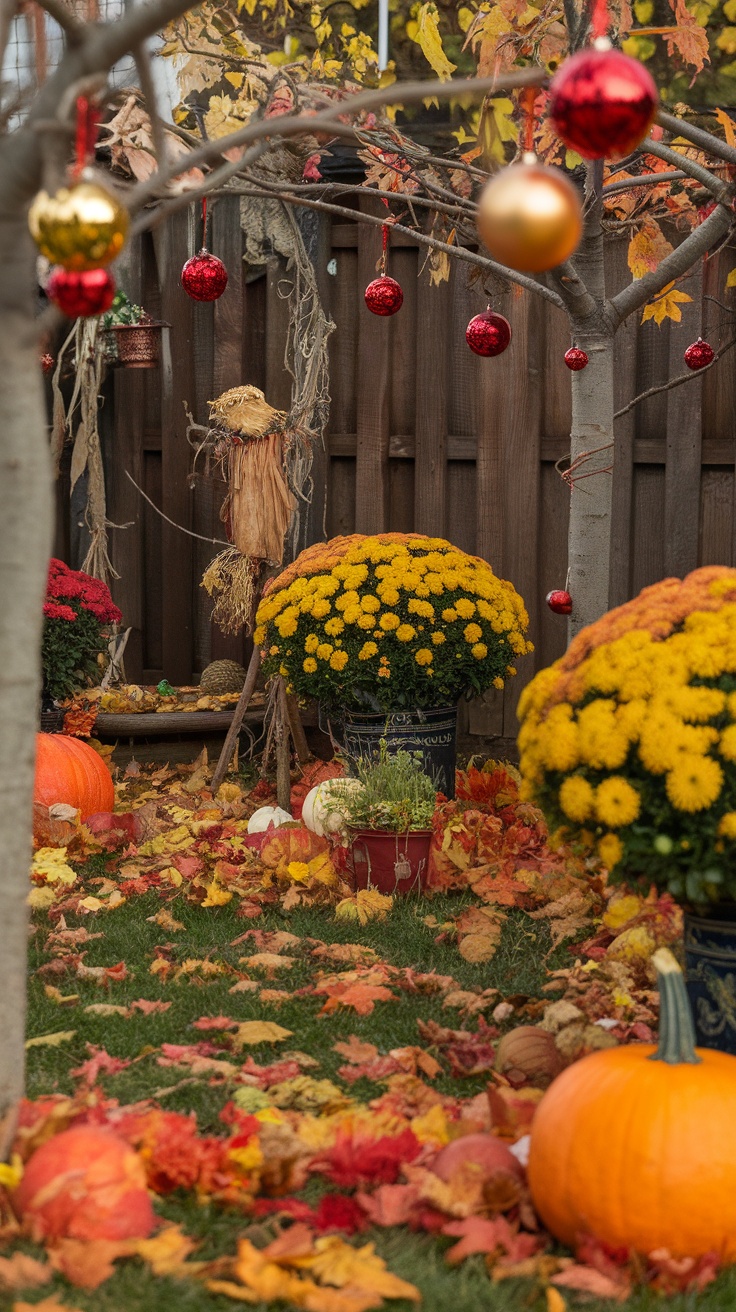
<point x="432" y="732"/>
<point x="710" y="970"/>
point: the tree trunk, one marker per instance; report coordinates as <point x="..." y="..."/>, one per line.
<point x="26" y="522"/>
<point x="589" y="540"/>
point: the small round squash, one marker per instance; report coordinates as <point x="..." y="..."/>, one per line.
<point x="71" y="771"/>
<point x="636" y="1145"/>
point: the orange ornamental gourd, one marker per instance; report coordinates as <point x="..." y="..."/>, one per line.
<point x="85" y="1183"/>
<point x="71" y="771"/>
<point x="636" y="1146"/>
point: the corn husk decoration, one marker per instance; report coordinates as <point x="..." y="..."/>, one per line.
<point x="251" y="443"/>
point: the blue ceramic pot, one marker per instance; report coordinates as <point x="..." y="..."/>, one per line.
<point x="710" y="970"/>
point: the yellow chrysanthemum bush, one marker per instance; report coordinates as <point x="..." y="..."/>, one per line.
<point x="388" y="622"/>
<point x="629" y="741"/>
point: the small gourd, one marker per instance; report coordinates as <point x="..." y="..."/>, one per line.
<point x="321" y="811"/>
<point x="636" y="1145"/>
<point x="268" y="815"/>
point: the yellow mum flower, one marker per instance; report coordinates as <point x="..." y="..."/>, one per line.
<point x="324" y="651"/>
<point x="498" y="683"/>
<point x="610" y="850"/>
<point x="423" y="608"/>
<point x="352" y="614"/>
<point x="365" y="621"/>
<point x="311" y="643"/>
<point x="405" y="633"/>
<point x="727" y="827"/>
<point x="334" y="626"/>
<point x="338" y="660"/>
<point x="286" y="626"/>
<point x="309" y="665"/>
<point x="274" y="651"/>
<point x="472" y="632"/>
<point x="449" y="614"/>
<point x="367" y="650"/>
<point x="465" y="607"/>
<point x="389" y="596"/>
<point x="438" y="639"/>
<point x="694" y="783"/>
<point x="480" y="651"/>
<point x="389" y="621"/>
<point x="370" y="604"/>
<point x="259" y="634"/>
<point x="423" y="656"/>
<point x="727" y="745"/>
<point x="616" y="802"/>
<point x="320" y="608"/>
<point x="347" y="600"/>
<point x="577" y="798"/>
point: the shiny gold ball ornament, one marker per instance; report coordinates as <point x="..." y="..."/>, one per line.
<point x="530" y="217"/>
<point x="80" y="227"/>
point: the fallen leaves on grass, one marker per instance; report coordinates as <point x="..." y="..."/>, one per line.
<point x="251" y="1032"/>
<point x="367" y="904"/>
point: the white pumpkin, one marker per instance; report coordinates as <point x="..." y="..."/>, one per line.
<point x="268" y="815"/>
<point x="321" y="811"/>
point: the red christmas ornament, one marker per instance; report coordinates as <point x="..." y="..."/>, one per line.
<point x="204" y="277"/>
<point x="384" y="295"/>
<point x="559" y="601"/>
<point x="699" y="354"/>
<point x="575" y="359"/>
<point x="488" y="333"/>
<point x="47" y="362"/>
<point x="83" y="294"/>
<point x="602" y="102"/>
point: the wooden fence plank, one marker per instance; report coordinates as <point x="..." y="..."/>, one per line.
<point x="683" y="444"/>
<point x="372" y="388"/>
<point x="624" y="386"/>
<point x="430" y="453"/>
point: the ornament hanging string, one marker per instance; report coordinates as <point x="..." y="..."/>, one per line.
<point x="204" y="222"/>
<point x="86" y="134"/>
<point x="383" y="266"/>
<point x="528" y="99"/>
<point x="599" y="19"/>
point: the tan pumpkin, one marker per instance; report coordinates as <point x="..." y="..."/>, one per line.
<point x="68" y="770"/>
<point x="636" y="1146"/>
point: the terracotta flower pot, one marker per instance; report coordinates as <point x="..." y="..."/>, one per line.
<point x="135" y="345"/>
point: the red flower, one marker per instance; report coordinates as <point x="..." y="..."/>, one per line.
<point x="53" y="611"/>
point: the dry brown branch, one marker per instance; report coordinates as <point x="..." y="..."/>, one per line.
<point x="678" y="381"/>
<point x="705" y="140"/>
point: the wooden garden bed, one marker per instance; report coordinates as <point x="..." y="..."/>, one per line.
<point x="165" y="723"/>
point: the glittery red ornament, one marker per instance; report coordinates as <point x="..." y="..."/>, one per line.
<point x="204" y="277"/>
<point x="83" y="294"/>
<point x="47" y="362"/>
<point x="699" y="354"/>
<point x="559" y="601"/>
<point x="488" y="333"/>
<point x="602" y="102"/>
<point x="575" y="359"/>
<point x="384" y="295"/>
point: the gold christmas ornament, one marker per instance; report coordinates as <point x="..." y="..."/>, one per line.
<point x="530" y="217"/>
<point x="80" y="227"/>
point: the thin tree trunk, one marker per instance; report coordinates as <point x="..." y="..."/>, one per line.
<point x="26" y="522"/>
<point x="589" y="539"/>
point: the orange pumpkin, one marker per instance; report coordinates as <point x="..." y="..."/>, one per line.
<point x="636" y="1145"/>
<point x="71" y="771"/>
<point x="85" y="1183"/>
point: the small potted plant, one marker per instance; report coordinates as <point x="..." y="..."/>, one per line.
<point x="131" y="337"/>
<point x="78" y="615"/>
<point x="388" y="818"/>
<point x="628" y="742"/>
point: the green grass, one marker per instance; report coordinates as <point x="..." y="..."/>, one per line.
<point x="519" y="966"/>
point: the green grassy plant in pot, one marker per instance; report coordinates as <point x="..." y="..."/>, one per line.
<point x="388" y="820"/>
<point x="628" y="742"/>
<point x="387" y="633"/>
<point x="131" y="337"/>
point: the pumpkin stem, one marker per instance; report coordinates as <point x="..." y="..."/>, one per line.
<point x="676" y="1030"/>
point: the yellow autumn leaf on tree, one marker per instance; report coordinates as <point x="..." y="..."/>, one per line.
<point x="726" y="122"/>
<point x="425" y="31"/>
<point x="647" y="248"/>
<point x="666" y="305"/>
<point x="731" y="279"/>
<point x="497" y="127"/>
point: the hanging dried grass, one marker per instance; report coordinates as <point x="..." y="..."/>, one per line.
<point x="231" y="579"/>
<point x="245" y="410"/>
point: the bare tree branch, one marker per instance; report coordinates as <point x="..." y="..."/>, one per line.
<point x="327" y="119"/>
<point x="62" y="15"/>
<point x="148" y="88"/>
<point x="698" y="136"/>
<point x="643" y="180"/>
<point x="721" y="190"/>
<point x="676" y="382"/>
<point x="672" y="266"/>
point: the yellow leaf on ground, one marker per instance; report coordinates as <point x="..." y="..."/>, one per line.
<point x="51" y="1304"/>
<point x="50" y="865"/>
<point x="23" y="1272"/>
<point x="167" y="1252"/>
<point x="217" y="896"/>
<point x="555" y="1301"/>
<point x="367" y="904"/>
<point x="51" y="1040"/>
<point x="261" y="1031"/>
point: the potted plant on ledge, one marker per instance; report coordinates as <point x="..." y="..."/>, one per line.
<point x="388" y="818"/>
<point x="131" y="337"/>
<point x="629" y="743"/>
<point x="387" y="633"/>
<point x="78" y="615"/>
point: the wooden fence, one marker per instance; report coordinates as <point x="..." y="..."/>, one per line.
<point x="422" y="436"/>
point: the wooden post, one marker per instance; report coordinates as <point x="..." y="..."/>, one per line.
<point x="242" y="706"/>
<point x="283" y="765"/>
<point x="296" y="729"/>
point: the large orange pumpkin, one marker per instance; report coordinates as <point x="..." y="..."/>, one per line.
<point x="85" y="1183"/>
<point x="636" y="1146"/>
<point x="71" y="771"/>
